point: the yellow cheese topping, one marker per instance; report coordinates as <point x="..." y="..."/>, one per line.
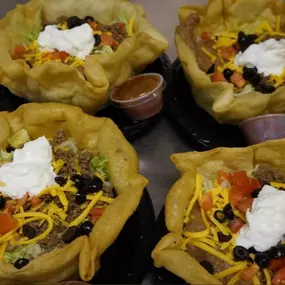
<point x="3" y="247"/>
<point x="231" y="270"/>
<point x="234" y="279"/>
<point x="85" y="213"/>
<point x="131" y="26"/>
<point x="267" y="276"/>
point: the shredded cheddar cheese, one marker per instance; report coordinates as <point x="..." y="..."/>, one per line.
<point x="231" y="270"/>
<point x="85" y="213"/>
<point x="131" y="26"/>
<point x="267" y="276"/>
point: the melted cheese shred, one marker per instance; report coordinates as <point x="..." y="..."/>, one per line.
<point x="85" y="213"/>
<point x="208" y="240"/>
<point x="267" y="276"/>
<point x="199" y="180"/>
<point x="36" y="216"/>
<point x="3" y="247"/>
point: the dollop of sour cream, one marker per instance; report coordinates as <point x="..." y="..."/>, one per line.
<point x="78" y="41"/>
<point x="31" y="170"/>
<point x="268" y="57"/>
<point x="266" y="226"/>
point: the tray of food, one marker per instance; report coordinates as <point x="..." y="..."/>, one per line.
<point x="77" y="53"/>
<point x="65" y="200"/>
<point x="232" y="230"/>
<point x="227" y="56"/>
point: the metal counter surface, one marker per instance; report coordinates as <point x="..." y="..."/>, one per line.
<point x="154" y="149"/>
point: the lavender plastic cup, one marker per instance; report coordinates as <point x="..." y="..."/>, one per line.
<point x="264" y="128"/>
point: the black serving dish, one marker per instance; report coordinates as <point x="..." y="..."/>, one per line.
<point x="161" y="275"/>
<point x="131" y="129"/>
<point x="129" y="258"/>
<point x="196" y="125"/>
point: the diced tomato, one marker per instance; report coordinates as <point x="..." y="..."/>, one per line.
<point x="7" y="223"/>
<point x="93" y="25"/>
<point x="97" y="211"/>
<point x="224" y="176"/>
<point x="35" y="201"/>
<point x="236" y="225"/>
<point x="245" y="205"/>
<point x="254" y="184"/>
<point x="122" y="26"/>
<point x="228" y="52"/>
<point x="240" y="178"/>
<point x="279" y="277"/>
<point x="9" y="208"/>
<point x="207" y="202"/>
<point x="218" y="77"/>
<point x="235" y="195"/>
<point x="276" y="264"/>
<point x="23" y="200"/>
<point x="62" y="55"/>
<point x="249" y="272"/>
<point x="206" y="36"/>
<point x="108" y="40"/>
<point x="19" y="52"/>
<point x="238" y="80"/>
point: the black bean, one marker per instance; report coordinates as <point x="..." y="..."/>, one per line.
<point x="228" y="73"/>
<point x="10" y="149"/>
<point x="70" y="235"/>
<point x="255" y="193"/>
<point x="224" y="238"/>
<point x="74" y="21"/>
<point x="80" y="198"/>
<point x="97" y="40"/>
<point x="249" y="73"/>
<point x="277" y="251"/>
<point x="2" y="202"/>
<point x="86" y="228"/>
<point x="79" y="180"/>
<point x="29" y="231"/>
<point x="21" y="262"/>
<point x="265" y="88"/>
<point x="61" y="181"/>
<point x="228" y="212"/>
<point x="211" y="69"/>
<point x="208" y="266"/>
<point x="94" y="185"/>
<point x="89" y="19"/>
<point x="262" y="259"/>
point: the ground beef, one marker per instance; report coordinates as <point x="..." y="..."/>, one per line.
<point x="265" y="173"/>
<point x="187" y="32"/>
<point x="54" y="239"/>
<point x="59" y="138"/>
<point x="69" y="158"/>
<point x="73" y="208"/>
<point x="85" y="158"/>
<point x="118" y="34"/>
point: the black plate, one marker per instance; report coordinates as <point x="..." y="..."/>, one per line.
<point x="131" y="129"/>
<point x="197" y="126"/>
<point x="161" y="275"/>
<point x="128" y="259"/>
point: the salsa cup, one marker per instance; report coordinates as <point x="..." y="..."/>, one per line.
<point x="147" y="101"/>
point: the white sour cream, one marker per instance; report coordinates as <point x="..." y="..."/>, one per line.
<point x="31" y="170"/>
<point x="268" y="57"/>
<point x="78" y="41"/>
<point x="266" y="226"/>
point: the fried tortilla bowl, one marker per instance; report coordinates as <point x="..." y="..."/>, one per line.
<point x="170" y="252"/>
<point x="58" y="82"/>
<point x="81" y="257"/>
<point x="219" y="98"/>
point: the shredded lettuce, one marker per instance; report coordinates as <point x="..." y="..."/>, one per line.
<point x="5" y="156"/>
<point x="107" y="49"/>
<point x="100" y="165"/>
<point x="25" y="251"/>
<point x="19" y="139"/>
<point x="69" y="143"/>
